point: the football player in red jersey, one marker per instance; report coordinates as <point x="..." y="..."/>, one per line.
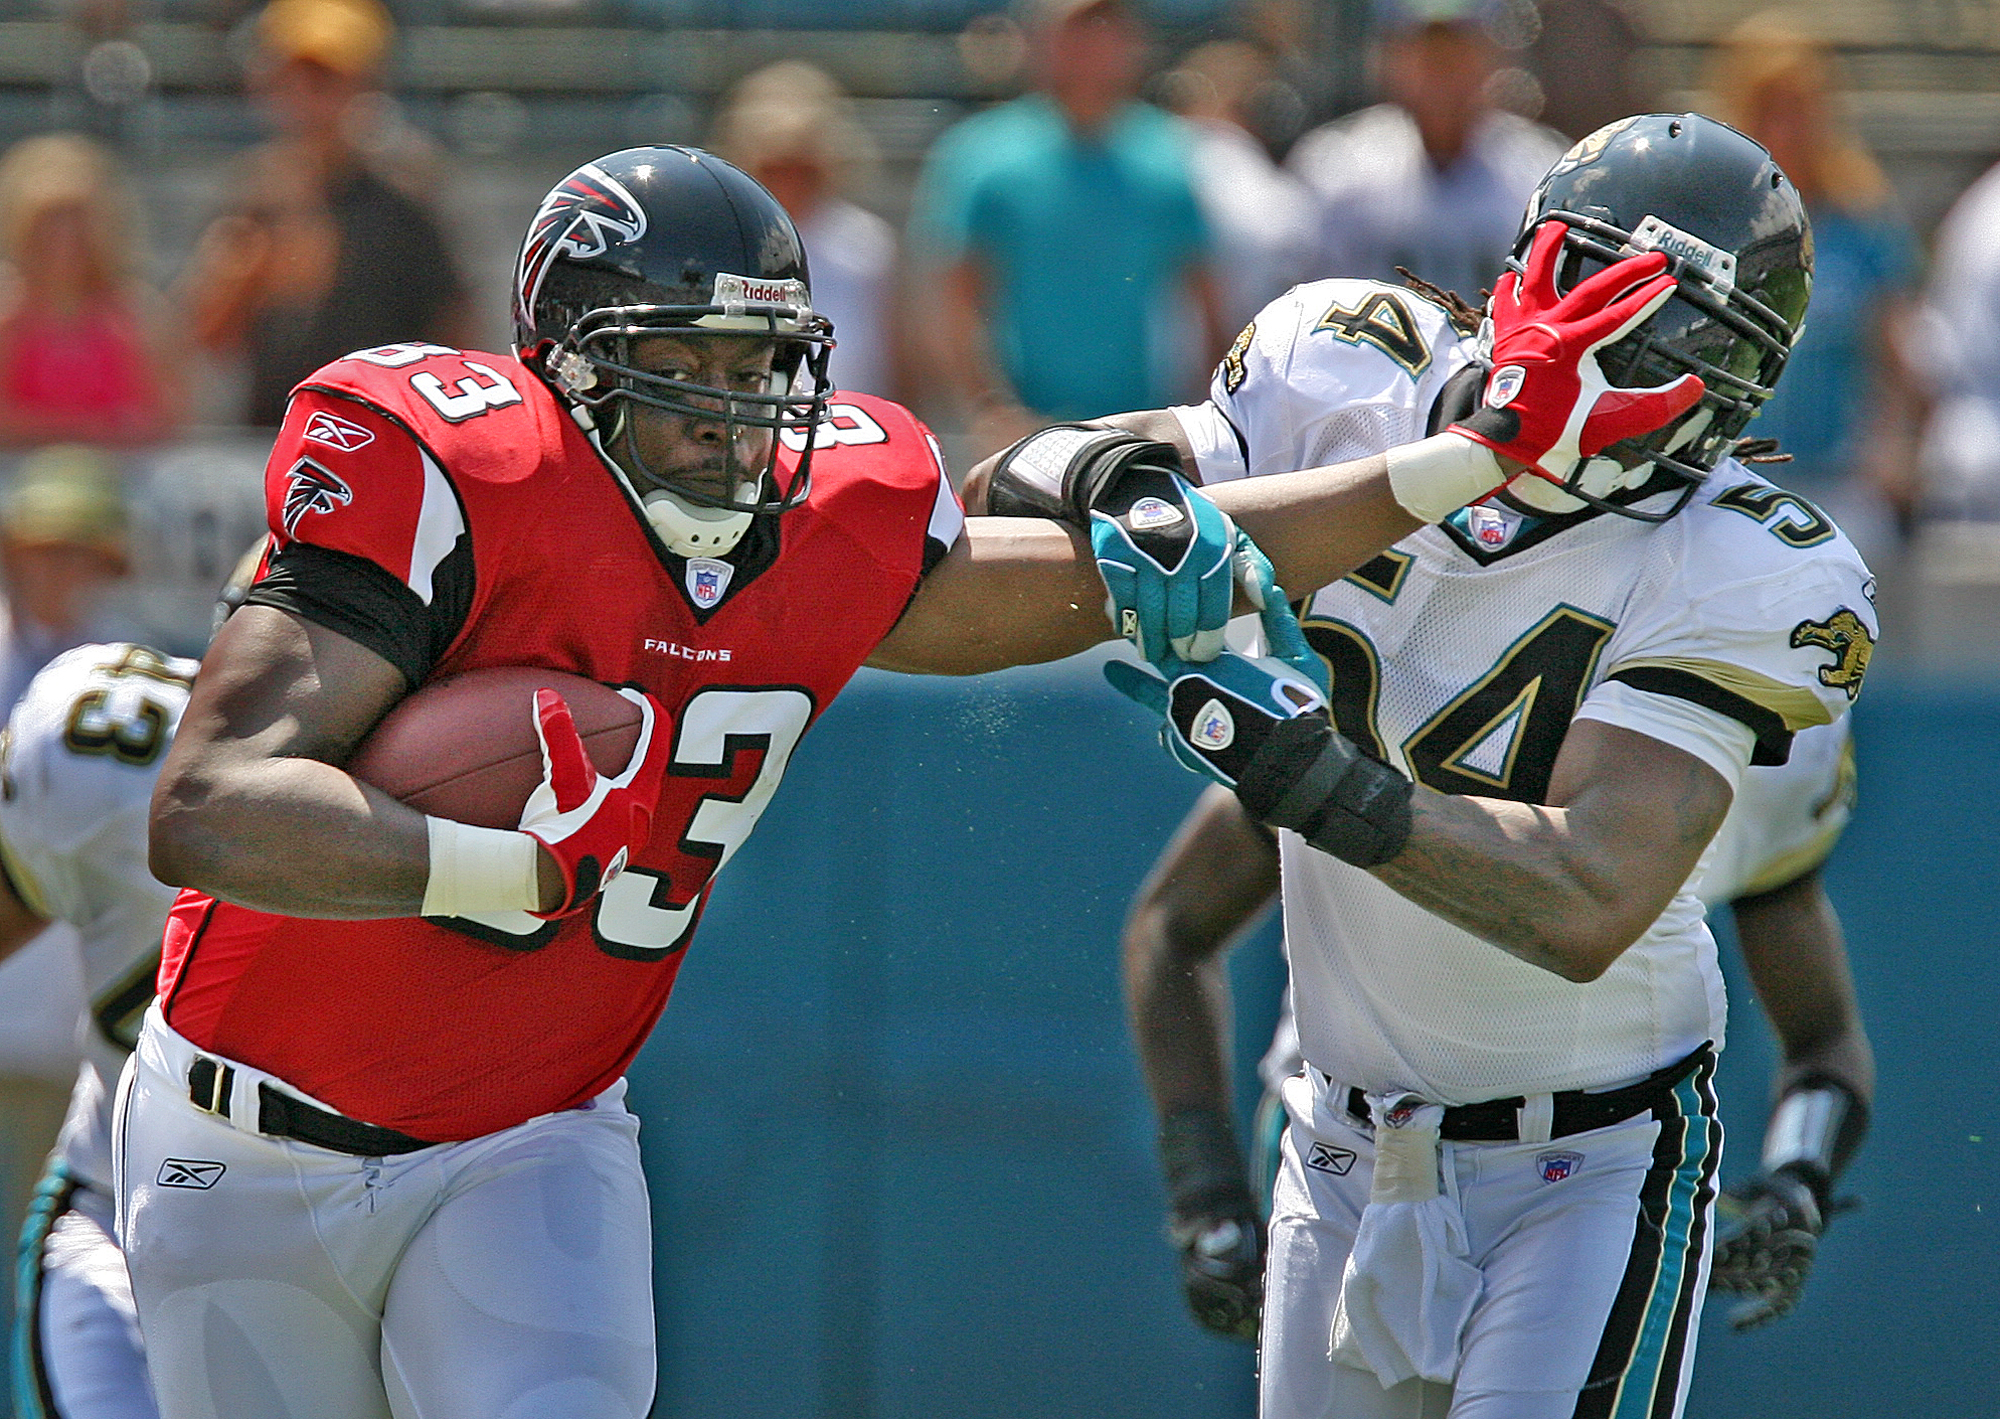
<point x="373" y="1157"/>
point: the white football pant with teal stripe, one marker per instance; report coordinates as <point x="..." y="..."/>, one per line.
<point x="1593" y="1251"/>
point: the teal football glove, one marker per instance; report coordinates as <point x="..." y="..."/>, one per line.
<point x="1164" y="550"/>
<point x="1167" y="556"/>
<point x="1260" y="727"/>
<point x="1216" y="715"/>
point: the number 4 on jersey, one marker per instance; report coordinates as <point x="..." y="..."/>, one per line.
<point x="1383" y="320"/>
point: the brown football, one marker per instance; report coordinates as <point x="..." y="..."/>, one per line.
<point x="464" y="747"/>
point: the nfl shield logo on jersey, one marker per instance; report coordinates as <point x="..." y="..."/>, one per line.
<point x="707" y="579"/>
<point x="1491" y="526"/>
<point x="1554" y="1167"/>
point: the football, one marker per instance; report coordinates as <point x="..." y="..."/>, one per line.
<point x="464" y="747"/>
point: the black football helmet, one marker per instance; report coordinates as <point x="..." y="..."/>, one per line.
<point x="1737" y="240"/>
<point x="671" y="240"/>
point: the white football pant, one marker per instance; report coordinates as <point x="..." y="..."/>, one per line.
<point x="508" y="1277"/>
<point x="1592" y="1250"/>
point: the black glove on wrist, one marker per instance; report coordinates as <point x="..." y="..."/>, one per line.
<point x="1212" y="1222"/>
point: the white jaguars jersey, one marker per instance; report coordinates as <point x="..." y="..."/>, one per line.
<point x="1462" y="655"/>
<point x="82" y="750"/>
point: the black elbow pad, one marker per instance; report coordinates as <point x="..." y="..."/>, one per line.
<point x="1308" y="777"/>
<point x="1068" y="471"/>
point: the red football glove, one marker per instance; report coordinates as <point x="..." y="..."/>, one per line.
<point x="589" y="823"/>
<point x="1547" y="403"/>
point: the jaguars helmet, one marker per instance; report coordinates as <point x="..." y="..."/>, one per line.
<point x="672" y="240"/>
<point x="1737" y="242"/>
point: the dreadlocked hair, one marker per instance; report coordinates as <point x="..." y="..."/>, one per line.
<point x="1758" y="451"/>
<point x="1464" y="317"/>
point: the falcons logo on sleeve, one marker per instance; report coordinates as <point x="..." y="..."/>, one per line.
<point x="587" y="214"/>
<point x="310" y="488"/>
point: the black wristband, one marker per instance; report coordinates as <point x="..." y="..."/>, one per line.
<point x="1307" y="777"/>
<point x="1203" y="1165"/>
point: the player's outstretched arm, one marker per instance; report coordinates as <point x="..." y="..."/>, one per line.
<point x="1216" y="876"/>
<point x="1021" y="590"/>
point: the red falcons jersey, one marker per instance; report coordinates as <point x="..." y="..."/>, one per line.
<point x="442" y="508"/>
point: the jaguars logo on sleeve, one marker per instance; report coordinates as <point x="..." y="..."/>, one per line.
<point x="1848" y="637"/>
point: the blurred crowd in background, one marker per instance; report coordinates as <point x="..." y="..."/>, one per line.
<point x="1014" y="216"/>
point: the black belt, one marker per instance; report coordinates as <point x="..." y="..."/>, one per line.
<point x="1576" y="1110"/>
<point x="279" y="1115"/>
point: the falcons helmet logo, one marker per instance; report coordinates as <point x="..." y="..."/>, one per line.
<point x="311" y="489"/>
<point x="587" y="214"/>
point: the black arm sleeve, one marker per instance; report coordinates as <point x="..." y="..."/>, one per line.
<point x="359" y="600"/>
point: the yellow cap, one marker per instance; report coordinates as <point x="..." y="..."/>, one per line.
<point x="347" y="36"/>
<point x="66" y="495"/>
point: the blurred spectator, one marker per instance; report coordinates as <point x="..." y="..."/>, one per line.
<point x="320" y="251"/>
<point x="789" y="126"/>
<point x="1262" y="217"/>
<point x="1064" y="240"/>
<point x="1960" y="360"/>
<point x="1582" y="56"/>
<point x="62" y="542"/>
<point x="1435" y="179"/>
<point x="83" y="351"/>
<point x="1845" y="412"/>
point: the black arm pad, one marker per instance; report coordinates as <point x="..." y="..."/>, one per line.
<point x="1067" y="470"/>
<point x="1311" y="779"/>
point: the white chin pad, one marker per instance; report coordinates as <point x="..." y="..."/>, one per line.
<point x="691" y="530"/>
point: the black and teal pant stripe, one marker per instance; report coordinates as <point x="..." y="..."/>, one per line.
<point x="1648" y="1336"/>
<point x="33" y="1397"/>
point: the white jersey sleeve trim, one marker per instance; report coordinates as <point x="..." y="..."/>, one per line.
<point x="439" y="526"/>
<point x="1724" y="744"/>
<point x="947" y="517"/>
<point x="1218" y="452"/>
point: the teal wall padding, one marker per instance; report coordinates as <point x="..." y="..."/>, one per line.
<point x="901" y="1160"/>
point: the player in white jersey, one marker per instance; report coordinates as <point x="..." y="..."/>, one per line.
<point x="1221" y="873"/>
<point x="1499" y="1176"/>
<point x="82" y="749"/>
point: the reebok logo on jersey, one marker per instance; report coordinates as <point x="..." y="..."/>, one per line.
<point x="197" y="1173"/>
<point x="327" y="428"/>
<point x="1151" y="514"/>
<point x="707" y="579"/>
<point x="1505" y="386"/>
<point x="1554" y="1167"/>
<point x="311" y="489"/>
<point x="1329" y="1159"/>
<point x="1213" y="728"/>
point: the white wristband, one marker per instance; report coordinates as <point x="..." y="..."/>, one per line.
<point x="1435" y="478"/>
<point x="480" y="870"/>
